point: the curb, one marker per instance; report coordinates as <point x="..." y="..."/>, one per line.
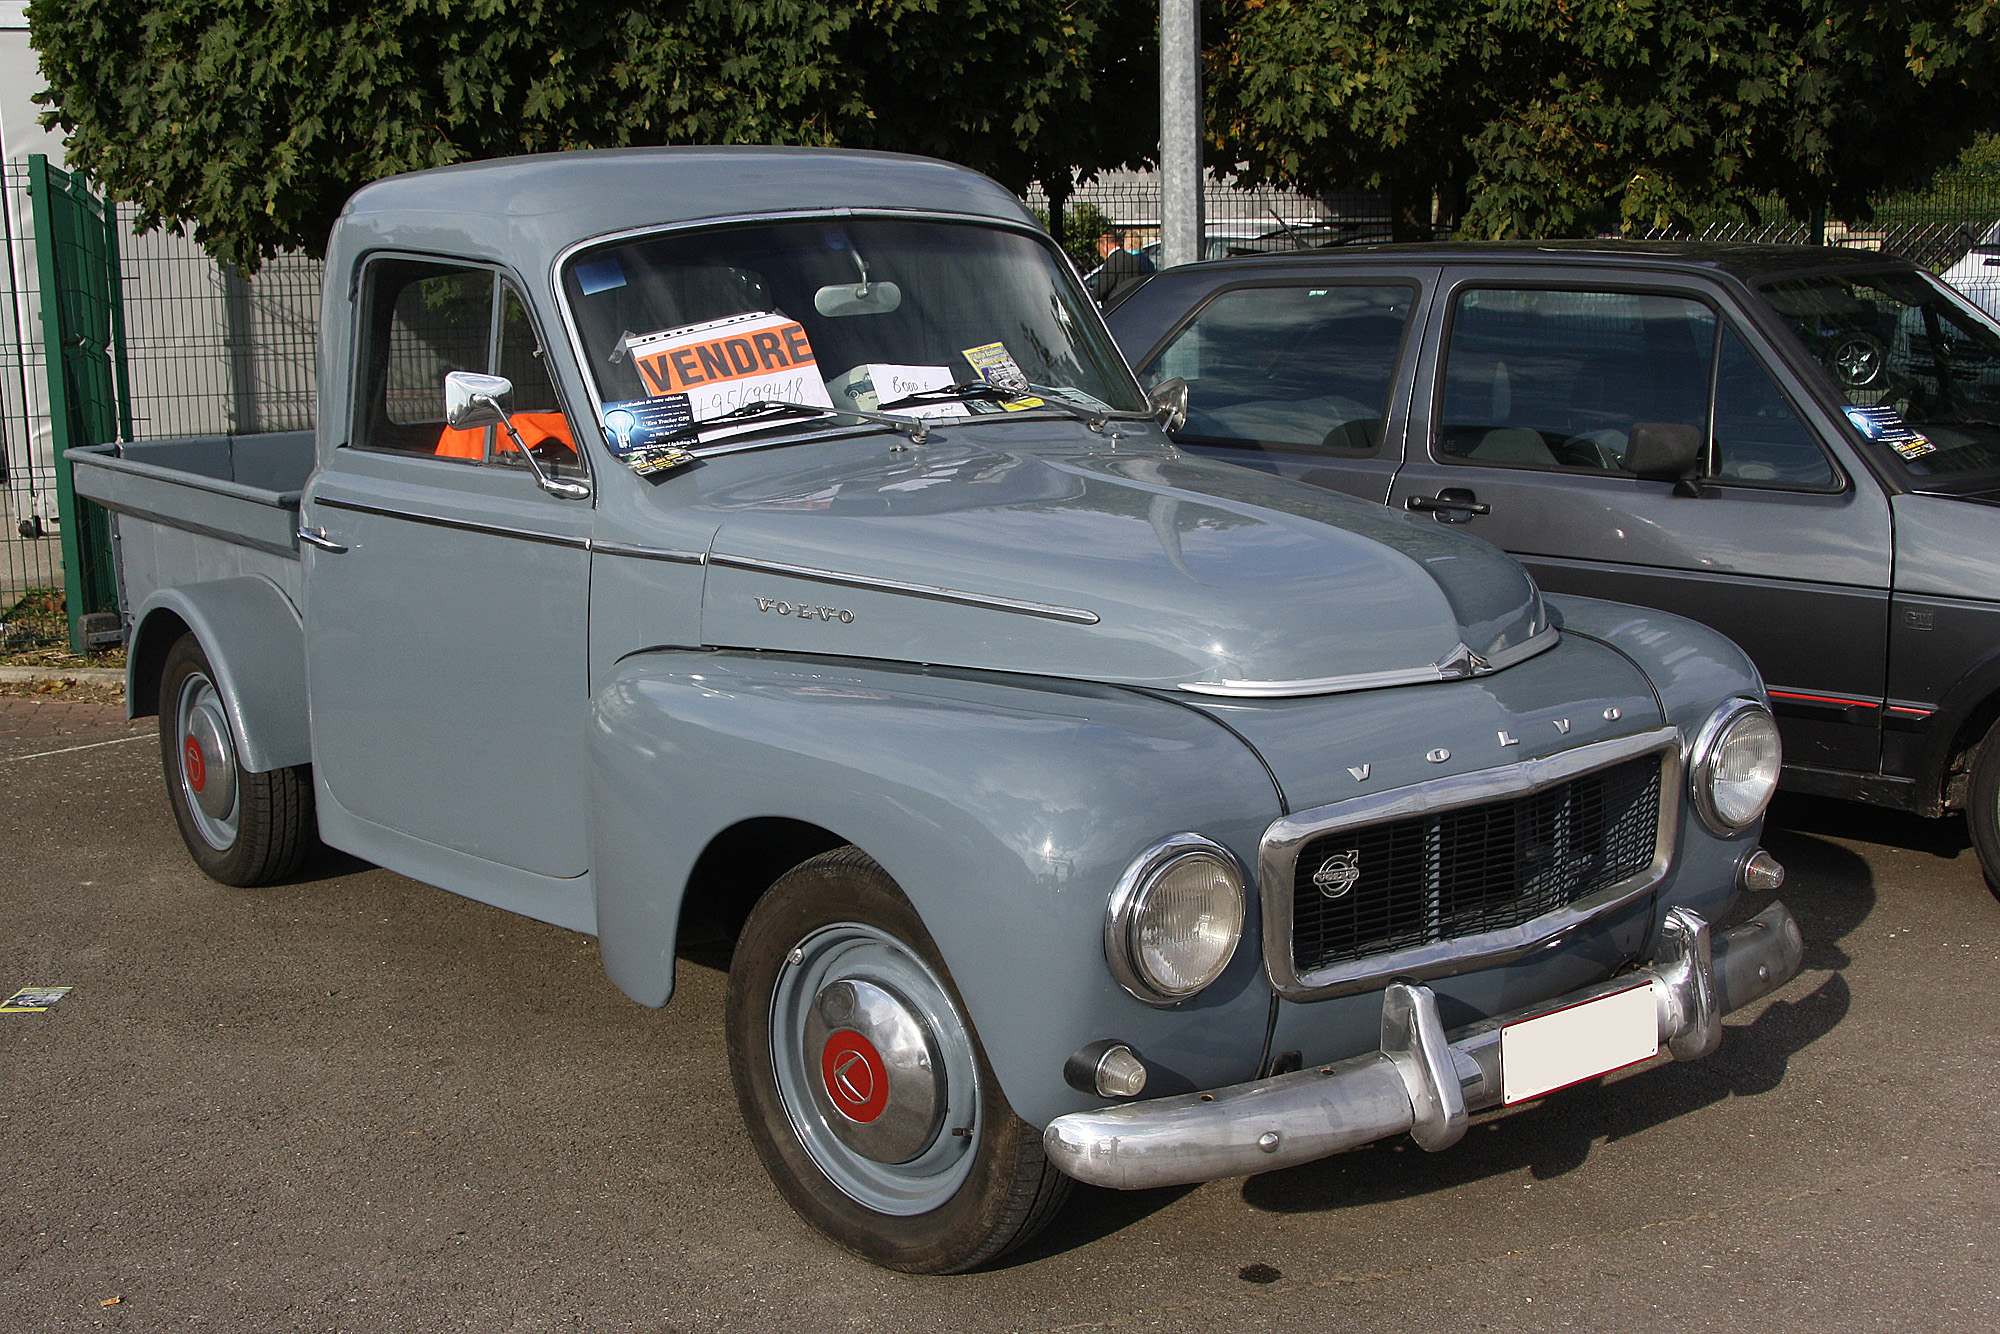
<point x="106" y="675"/>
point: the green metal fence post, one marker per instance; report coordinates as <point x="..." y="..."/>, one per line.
<point x="83" y="348"/>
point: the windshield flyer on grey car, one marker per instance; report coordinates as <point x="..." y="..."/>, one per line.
<point x="1918" y="368"/>
<point x="696" y="337"/>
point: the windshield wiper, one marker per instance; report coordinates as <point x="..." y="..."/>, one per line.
<point x="1051" y="398"/>
<point x="915" y="428"/>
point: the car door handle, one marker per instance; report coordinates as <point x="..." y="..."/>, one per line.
<point x="317" y="537"/>
<point x="1452" y="505"/>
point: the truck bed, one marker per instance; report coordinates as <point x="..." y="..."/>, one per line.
<point x="200" y="508"/>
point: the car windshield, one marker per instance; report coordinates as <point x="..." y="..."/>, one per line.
<point x="916" y="319"/>
<point x="1919" y="368"/>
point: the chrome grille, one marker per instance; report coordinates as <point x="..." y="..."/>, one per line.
<point x="1473" y="869"/>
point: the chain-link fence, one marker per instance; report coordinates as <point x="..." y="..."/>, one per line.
<point x="1237" y="220"/>
<point x="208" y="352"/>
<point x="30" y="554"/>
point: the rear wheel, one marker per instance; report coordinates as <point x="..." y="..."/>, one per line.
<point x="241" y="828"/>
<point x="862" y="1084"/>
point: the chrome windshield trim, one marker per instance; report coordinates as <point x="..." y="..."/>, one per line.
<point x="1457" y="665"/>
<point x="1277" y="860"/>
<point x="1076" y="615"/>
<point x="462" y="525"/>
<point x="637" y="552"/>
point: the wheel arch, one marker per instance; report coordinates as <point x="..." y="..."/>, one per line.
<point x="254" y="641"/>
<point x="1004" y="810"/>
<point x="1964" y="716"/>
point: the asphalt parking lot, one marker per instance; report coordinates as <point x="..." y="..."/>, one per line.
<point x="357" y="1103"/>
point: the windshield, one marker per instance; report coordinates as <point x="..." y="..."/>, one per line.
<point x="1919" y="368"/>
<point x="868" y="314"/>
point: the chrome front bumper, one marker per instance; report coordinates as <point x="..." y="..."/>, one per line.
<point x="1421" y="1080"/>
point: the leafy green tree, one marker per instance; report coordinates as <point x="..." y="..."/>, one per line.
<point x="250" y="121"/>
<point x="1553" y="117"/>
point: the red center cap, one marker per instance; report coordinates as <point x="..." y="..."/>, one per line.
<point x="855" y="1077"/>
<point x="197" y="768"/>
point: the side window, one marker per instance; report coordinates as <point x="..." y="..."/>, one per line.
<point x="1758" y="434"/>
<point x="1557" y="379"/>
<point x="424" y="320"/>
<point x="1304" y="369"/>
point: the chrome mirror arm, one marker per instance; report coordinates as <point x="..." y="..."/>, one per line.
<point x="555" y="486"/>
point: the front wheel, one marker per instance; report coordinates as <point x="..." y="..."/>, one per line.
<point x="241" y="828"/>
<point x="864" y="1087"/>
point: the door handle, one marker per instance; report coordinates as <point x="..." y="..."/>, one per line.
<point x="1454" y="504"/>
<point x="317" y="537"/>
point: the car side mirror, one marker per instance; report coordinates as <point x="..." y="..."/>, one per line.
<point x="473" y="400"/>
<point x="1664" y="451"/>
<point x="1169" y="401"/>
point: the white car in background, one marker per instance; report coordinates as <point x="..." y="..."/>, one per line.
<point x="1977" y="273"/>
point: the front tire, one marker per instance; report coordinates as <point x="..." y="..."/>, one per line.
<point x="864" y="1087"/>
<point x="241" y="828"/>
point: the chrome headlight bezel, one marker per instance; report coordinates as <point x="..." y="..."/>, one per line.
<point x="1126" y="914"/>
<point x="1707" y="749"/>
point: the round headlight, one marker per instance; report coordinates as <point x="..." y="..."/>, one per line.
<point x="1175" y="919"/>
<point x="1735" y="766"/>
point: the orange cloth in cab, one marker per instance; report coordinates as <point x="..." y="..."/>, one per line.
<point x="535" y="427"/>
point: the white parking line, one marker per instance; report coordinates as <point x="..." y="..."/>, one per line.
<point x="71" y="750"/>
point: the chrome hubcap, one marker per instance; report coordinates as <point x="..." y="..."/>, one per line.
<point x="880" y="1089"/>
<point x="875" y="1068"/>
<point x="207" y="762"/>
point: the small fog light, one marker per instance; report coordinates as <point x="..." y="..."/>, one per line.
<point x="1762" y="872"/>
<point x="1107" y="1068"/>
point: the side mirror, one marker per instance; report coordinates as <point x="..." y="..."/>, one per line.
<point x="1169" y="401"/>
<point x="1664" y="451"/>
<point x="472" y="399"/>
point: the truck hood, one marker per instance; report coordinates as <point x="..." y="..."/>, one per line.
<point x="1126" y="564"/>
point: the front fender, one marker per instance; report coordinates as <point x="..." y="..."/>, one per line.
<point x="1691" y="667"/>
<point x="1005" y="809"/>
<point x="256" y="645"/>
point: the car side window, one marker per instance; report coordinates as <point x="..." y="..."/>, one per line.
<point x="425" y="320"/>
<point x="1557" y="379"/>
<point x="1298" y="369"/>
<point x="1758" y="434"/>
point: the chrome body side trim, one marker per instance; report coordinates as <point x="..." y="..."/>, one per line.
<point x="937" y="594"/>
<point x="1457" y="665"/>
<point x="1278" y="855"/>
<point x="636" y="552"/>
<point x="1422" y="1081"/>
<point x="463" y="525"/>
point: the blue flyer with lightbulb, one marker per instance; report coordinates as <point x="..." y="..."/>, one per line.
<point x="649" y="435"/>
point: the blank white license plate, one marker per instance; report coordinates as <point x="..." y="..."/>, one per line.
<point x="1553" y="1051"/>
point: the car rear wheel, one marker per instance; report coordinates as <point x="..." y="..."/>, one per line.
<point x="864" y="1087"/>
<point x="241" y="828"/>
<point x="1982" y="806"/>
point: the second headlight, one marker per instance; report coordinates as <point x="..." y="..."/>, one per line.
<point x="1175" y="919"/>
<point x="1735" y="766"/>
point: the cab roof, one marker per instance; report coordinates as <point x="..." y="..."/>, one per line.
<point x="524" y="210"/>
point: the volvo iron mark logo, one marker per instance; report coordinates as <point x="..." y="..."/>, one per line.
<point x="1339" y="873"/>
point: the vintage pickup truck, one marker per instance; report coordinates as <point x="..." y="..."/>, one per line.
<point x="771" y="543"/>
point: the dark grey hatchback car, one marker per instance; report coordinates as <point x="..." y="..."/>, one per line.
<point x="1798" y="446"/>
